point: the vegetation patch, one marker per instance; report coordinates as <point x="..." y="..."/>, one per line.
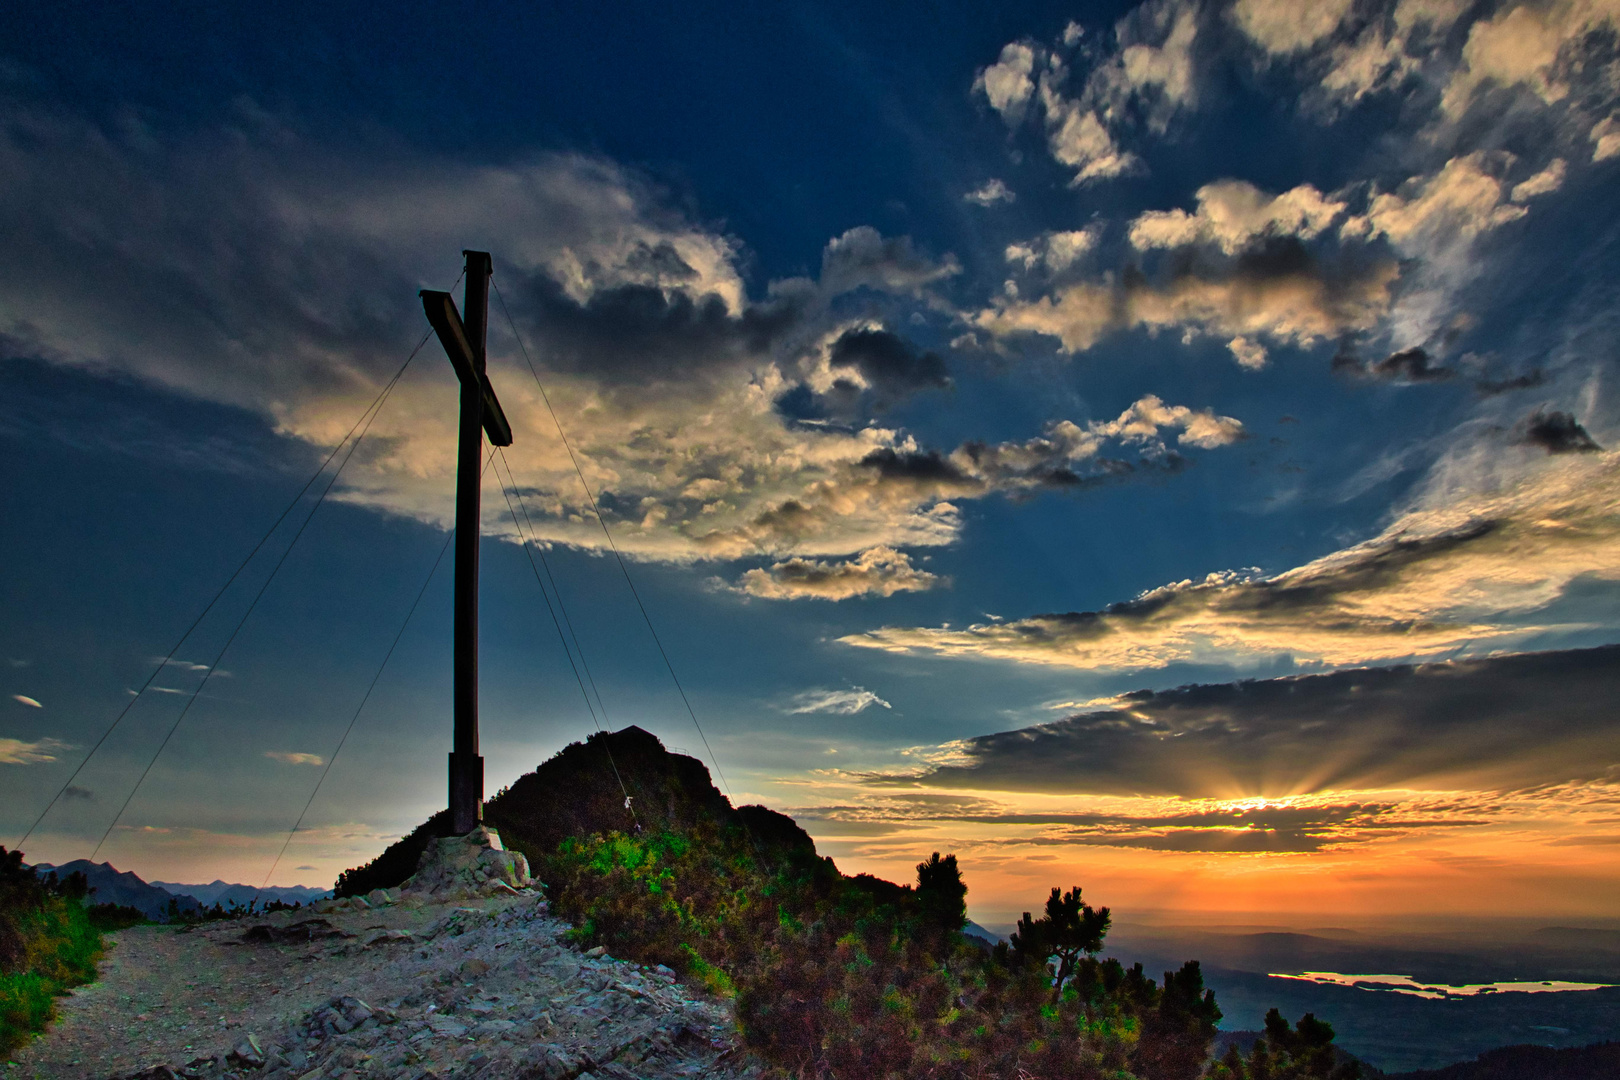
<point x="49" y="941"/>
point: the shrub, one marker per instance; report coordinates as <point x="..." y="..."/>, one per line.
<point x="48" y="942"/>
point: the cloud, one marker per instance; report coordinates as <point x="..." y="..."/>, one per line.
<point x="1466" y="571"/>
<point x="1298" y="267"/>
<point x="1282" y="27"/>
<point x="1278" y="289"/>
<point x="876" y="572"/>
<point x="1544" y="182"/>
<point x="1501" y="724"/>
<point x="1457" y="203"/>
<point x="992" y="192"/>
<point x="184" y="665"/>
<point x="73" y="791"/>
<point x="1520" y="46"/>
<point x="19" y="752"/>
<point x="1174" y="823"/>
<point x="1233" y="214"/>
<point x="1056" y="251"/>
<point x="1068" y="455"/>
<point x="1006" y="84"/>
<point x="1249" y="354"/>
<point x="1389" y="50"/>
<point x="1407" y="365"/>
<point x="1491" y="387"/>
<point x="24" y="699"/>
<point x="1605" y="136"/>
<point x="887" y="364"/>
<point x="839" y="702"/>
<point x="291" y="758"/>
<point x="1143" y="79"/>
<point x="864" y="257"/>
<point x="906" y="491"/>
<point x="290" y="269"/>
<point x="1557" y="433"/>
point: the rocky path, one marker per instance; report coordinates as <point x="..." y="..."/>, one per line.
<point x="411" y="990"/>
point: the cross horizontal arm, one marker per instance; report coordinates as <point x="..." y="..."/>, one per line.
<point x="446" y="320"/>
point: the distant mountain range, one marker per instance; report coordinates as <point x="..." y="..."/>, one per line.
<point x="225" y="894"/>
<point x="110" y="886"/>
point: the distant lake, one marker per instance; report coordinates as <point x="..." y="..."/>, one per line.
<point x="1405" y="984"/>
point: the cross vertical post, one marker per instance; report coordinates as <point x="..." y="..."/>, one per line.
<point x="481" y="413"/>
<point x="466" y="765"/>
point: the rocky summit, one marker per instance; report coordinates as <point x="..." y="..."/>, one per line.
<point x="464" y="980"/>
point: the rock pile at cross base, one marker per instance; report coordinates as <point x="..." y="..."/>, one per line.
<point x="488" y="990"/>
<point x="457" y="867"/>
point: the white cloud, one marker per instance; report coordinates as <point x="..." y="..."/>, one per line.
<point x="1520" y="45"/>
<point x="1146" y="417"/>
<point x="1232" y="214"/>
<point x="1457" y="203"/>
<point x="1384" y="54"/>
<point x="1605" y="136"/>
<point x="838" y="702"/>
<point x="294" y="758"/>
<point x="1249" y="354"/>
<point x="1544" y="182"/>
<point x="19" y="752"/>
<point x="1283" y="27"/>
<point x="1146" y="78"/>
<point x="1293" y="305"/>
<point x="1057" y="251"/>
<point x="1078" y="139"/>
<point x="1006" y="84"/>
<point x="876" y="572"/>
<point x="1155" y="62"/>
<point x="991" y="192"/>
<point x="24" y="699"/>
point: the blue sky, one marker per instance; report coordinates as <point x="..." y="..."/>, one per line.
<point x="942" y="377"/>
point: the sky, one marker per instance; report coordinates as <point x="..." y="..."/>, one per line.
<point x="1165" y="448"/>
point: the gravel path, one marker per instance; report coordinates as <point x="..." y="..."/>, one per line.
<point x="403" y="991"/>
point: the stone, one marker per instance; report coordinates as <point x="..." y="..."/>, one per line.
<point x="456" y="865"/>
<point x="598" y="951"/>
<point x="471" y="969"/>
<point x="247" y="1053"/>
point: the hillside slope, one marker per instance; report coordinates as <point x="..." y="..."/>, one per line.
<point x="1597" y="1062"/>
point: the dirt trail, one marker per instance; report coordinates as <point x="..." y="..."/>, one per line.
<point x="406" y="991"/>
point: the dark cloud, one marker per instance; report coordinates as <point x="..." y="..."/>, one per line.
<point x="1518" y="382"/>
<point x="864" y="258"/>
<point x="1281" y="828"/>
<point x="884" y="369"/>
<point x="1503" y="723"/>
<point x="633" y="334"/>
<point x="917" y="467"/>
<point x="877" y="571"/>
<point x="1407" y="366"/>
<point x="892" y="367"/>
<point x="73" y="791"/>
<point x="1556" y="433"/>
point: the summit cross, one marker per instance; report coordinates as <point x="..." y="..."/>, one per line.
<point x="481" y="415"/>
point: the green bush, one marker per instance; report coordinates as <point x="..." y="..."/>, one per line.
<point x="48" y="943"/>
